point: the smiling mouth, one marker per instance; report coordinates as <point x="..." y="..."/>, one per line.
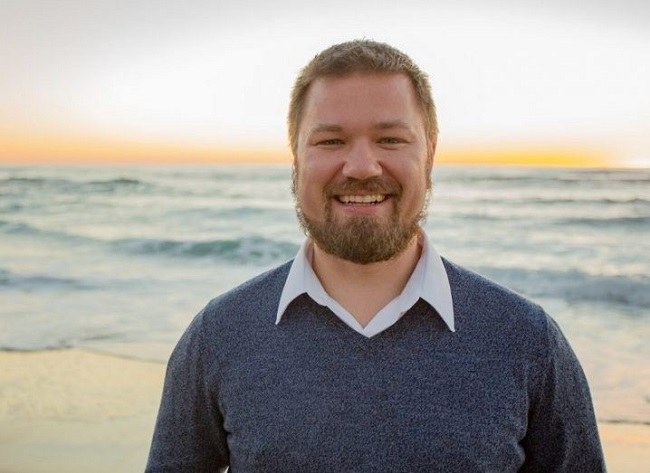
<point x="371" y="199"/>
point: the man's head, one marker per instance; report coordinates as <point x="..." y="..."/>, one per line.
<point x="360" y="57"/>
<point x="363" y="132"/>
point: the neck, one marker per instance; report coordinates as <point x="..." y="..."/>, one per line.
<point x="364" y="289"/>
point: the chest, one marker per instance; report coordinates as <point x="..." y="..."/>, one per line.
<point x="356" y="408"/>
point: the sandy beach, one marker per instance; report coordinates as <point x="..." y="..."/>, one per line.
<point x="69" y="411"/>
<point x="72" y="411"/>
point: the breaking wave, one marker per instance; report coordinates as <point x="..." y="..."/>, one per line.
<point x="574" y="285"/>
<point x="244" y="250"/>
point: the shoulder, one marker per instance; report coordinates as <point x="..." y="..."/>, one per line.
<point x="257" y="297"/>
<point x="472" y="290"/>
<point x="487" y="309"/>
<point x="234" y="317"/>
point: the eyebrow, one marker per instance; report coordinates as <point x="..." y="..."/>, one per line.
<point x="324" y="127"/>
<point x="385" y="125"/>
<point x="392" y="124"/>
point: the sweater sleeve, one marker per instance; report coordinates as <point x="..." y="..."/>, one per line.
<point x="562" y="434"/>
<point x="189" y="434"/>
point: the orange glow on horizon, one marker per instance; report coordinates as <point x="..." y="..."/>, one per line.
<point x="50" y="149"/>
<point x="53" y="149"/>
<point x="526" y="155"/>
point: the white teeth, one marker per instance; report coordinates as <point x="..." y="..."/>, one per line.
<point x="362" y="199"/>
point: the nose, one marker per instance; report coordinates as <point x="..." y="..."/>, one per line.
<point x="361" y="162"/>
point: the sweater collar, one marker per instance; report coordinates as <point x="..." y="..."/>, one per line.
<point x="429" y="281"/>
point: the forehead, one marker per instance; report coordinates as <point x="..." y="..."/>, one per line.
<point x="359" y="97"/>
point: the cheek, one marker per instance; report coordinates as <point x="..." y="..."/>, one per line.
<point x="308" y="185"/>
<point x="415" y="184"/>
<point x="410" y="173"/>
<point x="315" y="173"/>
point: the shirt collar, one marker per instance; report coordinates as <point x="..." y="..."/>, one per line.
<point x="435" y="288"/>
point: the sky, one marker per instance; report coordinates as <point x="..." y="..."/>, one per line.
<point x="530" y="82"/>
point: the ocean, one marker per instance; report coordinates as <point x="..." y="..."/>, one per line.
<point x="118" y="259"/>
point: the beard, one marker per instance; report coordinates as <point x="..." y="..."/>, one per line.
<point x="361" y="239"/>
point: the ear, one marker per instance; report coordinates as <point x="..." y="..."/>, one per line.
<point x="294" y="176"/>
<point x="294" y="161"/>
<point x="432" y="142"/>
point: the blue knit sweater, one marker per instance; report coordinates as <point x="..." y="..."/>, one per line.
<point x="504" y="393"/>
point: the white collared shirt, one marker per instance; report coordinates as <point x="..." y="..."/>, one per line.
<point x="428" y="281"/>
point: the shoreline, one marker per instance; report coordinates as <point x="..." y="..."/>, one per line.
<point x="78" y="410"/>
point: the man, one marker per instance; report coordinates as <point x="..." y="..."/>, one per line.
<point x="369" y="352"/>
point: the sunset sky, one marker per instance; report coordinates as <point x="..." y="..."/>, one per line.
<point x="530" y="82"/>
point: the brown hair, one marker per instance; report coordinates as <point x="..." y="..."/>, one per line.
<point x="360" y="56"/>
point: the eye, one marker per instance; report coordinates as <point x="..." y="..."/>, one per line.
<point x="391" y="140"/>
<point x="330" y="142"/>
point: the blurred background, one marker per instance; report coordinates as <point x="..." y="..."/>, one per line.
<point x="144" y="167"/>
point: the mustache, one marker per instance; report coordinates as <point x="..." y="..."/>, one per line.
<point x="374" y="185"/>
